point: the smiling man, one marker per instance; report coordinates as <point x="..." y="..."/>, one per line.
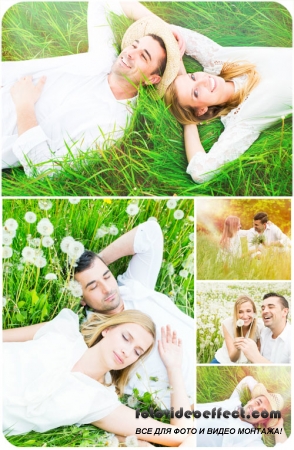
<point x="61" y="107"/>
<point x="275" y="337"/>
<point x="135" y="289"/>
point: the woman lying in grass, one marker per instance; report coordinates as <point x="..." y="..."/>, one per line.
<point x="54" y="375"/>
<point x="248" y="88"/>
<point x="243" y="323"/>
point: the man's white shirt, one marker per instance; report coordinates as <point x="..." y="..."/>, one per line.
<point x="272" y="233"/>
<point x="276" y="350"/>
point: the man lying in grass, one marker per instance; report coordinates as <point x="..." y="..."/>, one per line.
<point x="66" y="105"/>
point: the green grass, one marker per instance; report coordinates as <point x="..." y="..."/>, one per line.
<point x="215" y="302"/>
<point x="273" y="265"/>
<point x="29" y="298"/>
<point x="217" y="384"/>
<point x="150" y="158"/>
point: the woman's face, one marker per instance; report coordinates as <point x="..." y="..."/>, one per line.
<point x="200" y="90"/>
<point x="246" y="313"/>
<point x="124" y="344"/>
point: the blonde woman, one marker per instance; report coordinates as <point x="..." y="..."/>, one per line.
<point x="249" y="88"/>
<point x="54" y="375"/>
<point x="243" y="323"/>
<point x="230" y="242"/>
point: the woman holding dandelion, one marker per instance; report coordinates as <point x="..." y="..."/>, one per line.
<point x="55" y="375"/>
<point x="243" y="324"/>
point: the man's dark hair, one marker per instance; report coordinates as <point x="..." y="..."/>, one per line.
<point x="162" y="64"/>
<point x="86" y="260"/>
<point x="282" y="299"/>
<point x="262" y="216"/>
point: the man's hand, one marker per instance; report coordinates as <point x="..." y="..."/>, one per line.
<point x="25" y="93"/>
<point x="170" y="348"/>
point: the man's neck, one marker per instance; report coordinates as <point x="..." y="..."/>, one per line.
<point x="278" y="330"/>
<point x="120" y="87"/>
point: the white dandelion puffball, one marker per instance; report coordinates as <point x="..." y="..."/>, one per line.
<point x="47" y="242"/>
<point x="4" y="301"/>
<point x="7" y="239"/>
<point x="101" y="232"/>
<point x="113" y="443"/>
<point x="64" y="245"/>
<point x="178" y="214"/>
<point x="240" y="323"/>
<point x="36" y="242"/>
<point x="75" y="250"/>
<point x="45" y="227"/>
<point x="30" y="217"/>
<point x="131" y="441"/>
<point x="75" y="288"/>
<point x="28" y="254"/>
<point x="192" y="237"/>
<point x="51" y="276"/>
<point x="74" y="200"/>
<point x="11" y="224"/>
<point x="40" y="261"/>
<point x="132" y="209"/>
<point x="45" y="204"/>
<point x="171" y="203"/>
<point x="132" y="401"/>
<point x="183" y="273"/>
<point x="6" y="252"/>
<point x="113" y="230"/>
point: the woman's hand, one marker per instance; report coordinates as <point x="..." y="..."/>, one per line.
<point x="170" y="348"/>
<point x="179" y="38"/>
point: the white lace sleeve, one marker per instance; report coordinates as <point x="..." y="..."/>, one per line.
<point x="233" y="142"/>
<point x="201" y="48"/>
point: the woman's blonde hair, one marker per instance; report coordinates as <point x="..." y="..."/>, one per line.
<point x="231" y="226"/>
<point x="92" y="332"/>
<point x="237" y="330"/>
<point x="188" y="115"/>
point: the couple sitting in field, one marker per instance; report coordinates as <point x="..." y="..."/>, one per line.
<point x="55" y="374"/>
<point x="60" y="107"/>
<point x="248" y="339"/>
<point x="262" y="235"/>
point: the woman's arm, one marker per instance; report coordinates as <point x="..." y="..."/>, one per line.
<point x="21" y="334"/>
<point x="280" y="438"/>
<point x="234" y="353"/>
<point x="192" y="141"/>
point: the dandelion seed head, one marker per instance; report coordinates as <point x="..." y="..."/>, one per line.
<point x="47" y="242"/>
<point x="132" y="401"/>
<point x="30" y="217"/>
<point x="240" y="323"/>
<point x="45" y="205"/>
<point x="74" y="200"/>
<point x="6" y="239"/>
<point x="183" y="273"/>
<point x="45" y="227"/>
<point x="178" y="214"/>
<point x="11" y="225"/>
<point x="113" y="230"/>
<point x="75" y="250"/>
<point x="4" y="301"/>
<point x="50" y="276"/>
<point x="28" y="254"/>
<point x="64" y="245"/>
<point x="101" y="232"/>
<point x="75" y="288"/>
<point x="40" y="261"/>
<point x="131" y="441"/>
<point x="7" y="252"/>
<point x="171" y="203"/>
<point x="132" y="209"/>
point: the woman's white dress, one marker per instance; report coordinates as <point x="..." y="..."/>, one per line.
<point x="222" y="354"/>
<point x="234" y="250"/>
<point x="39" y="390"/>
<point x="267" y="103"/>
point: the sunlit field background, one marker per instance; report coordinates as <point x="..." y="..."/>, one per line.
<point x="150" y="158"/>
<point x="43" y="238"/>
<point x="211" y="214"/>
<point x="215" y="302"/>
<point x="218" y="383"/>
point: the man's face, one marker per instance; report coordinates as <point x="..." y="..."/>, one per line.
<point x="100" y="289"/>
<point x="138" y="61"/>
<point x="259" y="404"/>
<point x="258" y="226"/>
<point x="273" y="313"/>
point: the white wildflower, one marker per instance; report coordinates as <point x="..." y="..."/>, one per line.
<point x="6" y="239"/>
<point x="36" y="242"/>
<point x="30" y="217"/>
<point x="151" y="219"/>
<point x="11" y="224"/>
<point x="65" y="243"/>
<point x="74" y="200"/>
<point x="75" y="288"/>
<point x="131" y="441"/>
<point x="45" y="227"/>
<point x="132" y="401"/>
<point x="114" y="442"/>
<point x="51" y="276"/>
<point x="28" y="254"/>
<point x="4" y="301"/>
<point x="40" y="261"/>
<point x="20" y="267"/>
<point x="11" y="233"/>
<point x="45" y="204"/>
<point x="132" y="209"/>
<point x="113" y="230"/>
<point x="192" y="237"/>
<point x="75" y="250"/>
<point x="101" y="232"/>
<point x="170" y="269"/>
<point x="171" y="203"/>
<point x="240" y="323"/>
<point x="6" y="252"/>
<point x="183" y="273"/>
<point x="47" y="242"/>
<point x="178" y="214"/>
<point x="191" y="218"/>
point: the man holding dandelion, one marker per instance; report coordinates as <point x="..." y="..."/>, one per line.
<point x="135" y="290"/>
<point x="61" y="107"/>
<point x="275" y="338"/>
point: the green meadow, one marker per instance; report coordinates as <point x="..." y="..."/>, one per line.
<point x="150" y="158"/>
